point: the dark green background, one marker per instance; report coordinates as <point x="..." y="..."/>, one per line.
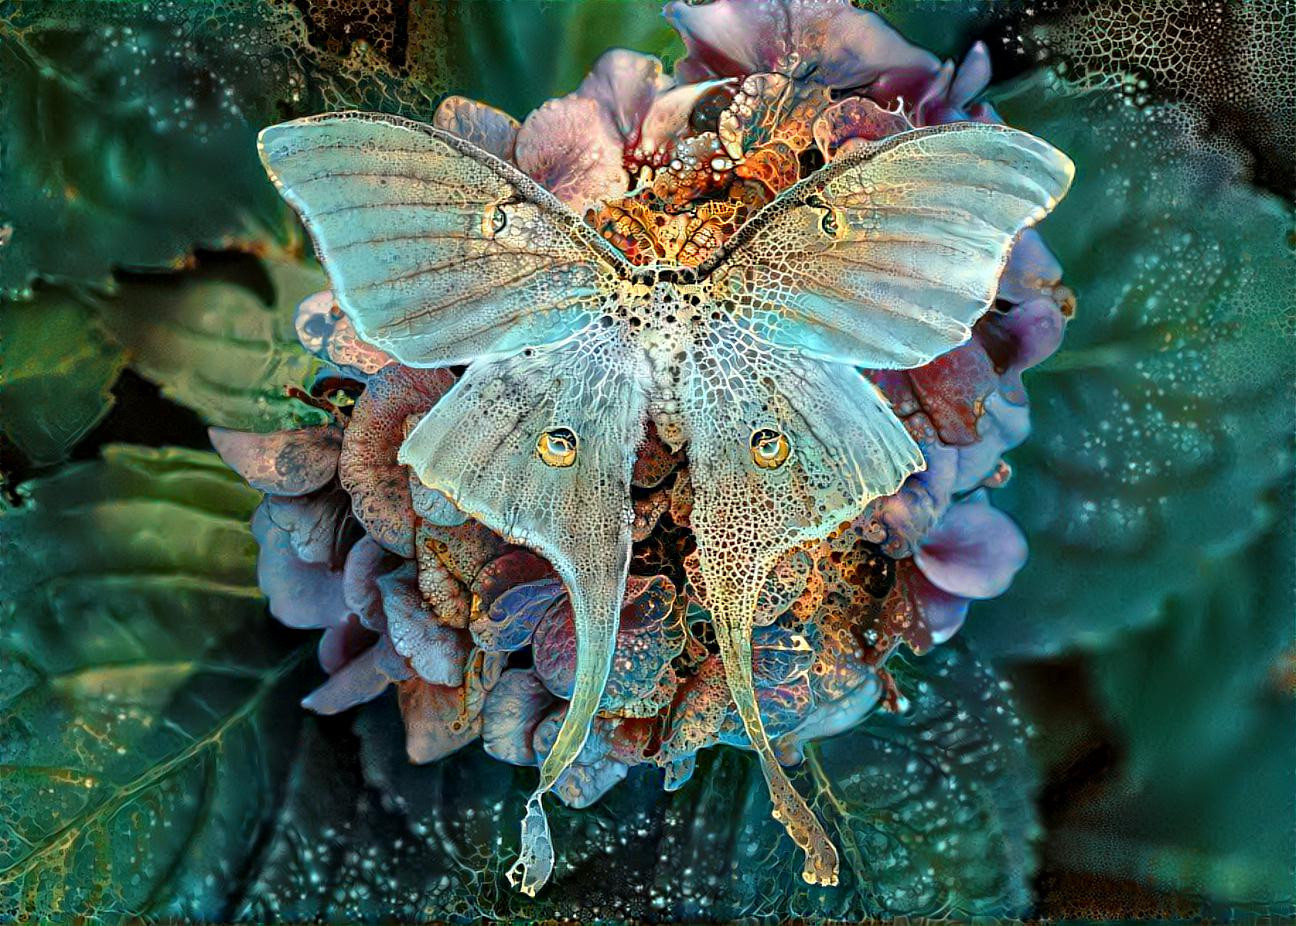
<point x="1113" y="738"/>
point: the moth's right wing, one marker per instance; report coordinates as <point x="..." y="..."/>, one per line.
<point x="438" y="251"/>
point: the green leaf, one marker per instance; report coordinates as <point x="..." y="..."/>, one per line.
<point x="215" y="345"/>
<point x="140" y="689"/>
<point x="517" y="55"/>
<point x="1168" y="412"/>
<point x="1201" y="803"/>
<point x="932" y="809"/>
<point x="56" y="372"/>
<point x="126" y="141"/>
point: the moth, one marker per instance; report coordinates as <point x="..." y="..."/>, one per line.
<point x="441" y="254"/>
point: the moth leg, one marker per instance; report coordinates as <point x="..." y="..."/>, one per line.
<point x="596" y="628"/>
<point x="733" y="627"/>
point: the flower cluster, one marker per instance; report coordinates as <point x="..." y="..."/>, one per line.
<point x="477" y="633"/>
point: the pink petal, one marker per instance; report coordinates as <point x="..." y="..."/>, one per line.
<point x="490" y="129"/>
<point x="624" y="83"/>
<point x="379" y="486"/>
<point x="314" y="523"/>
<point x="291" y="462"/>
<point x="668" y="119"/>
<point x="437" y="653"/>
<point x="942" y="613"/>
<point x="826" y="41"/>
<point x="570" y="149"/>
<point x="974" y="551"/>
<point x="340" y="644"/>
<point x="364" y="563"/>
<point x="438" y="720"/>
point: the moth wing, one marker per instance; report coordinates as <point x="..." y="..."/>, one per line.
<point x="886" y="257"/>
<point x="844" y="447"/>
<point x="438" y="251"/>
<point x="479" y="445"/>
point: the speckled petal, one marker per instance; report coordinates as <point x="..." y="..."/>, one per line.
<point x="513" y="710"/>
<point x="439" y="720"/>
<point x="301" y="594"/>
<point x="291" y="462"/>
<point x="570" y="149"/>
<point x="973" y="551"/>
<point x="908" y="514"/>
<point x="854" y="118"/>
<point x="436" y="652"/>
<point x="827" y="41"/>
<point x="379" y="486"/>
<point x="485" y="126"/>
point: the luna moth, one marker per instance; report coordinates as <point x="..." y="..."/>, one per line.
<point x="442" y="254"/>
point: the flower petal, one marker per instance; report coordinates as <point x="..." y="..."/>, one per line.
<point x="301" y="594"/>
<point x="292" y="462"/>
<point x="438" y="720"/>
<point x="513" y="710"/>
<point x="973" y="551"/>
<point x="358" y="681"/>
<point x="379" y="486"/>
<point x="436" y="652"/>
<point x="571" y="150"/>
<point x="826" y="41"/>
<point x="314" y="523"/>
<point x="625" y="83"/>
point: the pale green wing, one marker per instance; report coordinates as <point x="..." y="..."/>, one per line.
<point x="782" y="448"/>
<point x="539" y="446"/>
<point x="438" y="251"/>
<point x="885" y="258"/>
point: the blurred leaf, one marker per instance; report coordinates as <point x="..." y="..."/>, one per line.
<point x="125" y="140"/>
<point x="517" y="55"/>
<point x="1169" y="409"/>
<point x="1202" y="803"/>
<point x="138" y="685"/>
<point x="213" y="343"/>
<point x="932" y="809"/>
<point x="56" y="370"/>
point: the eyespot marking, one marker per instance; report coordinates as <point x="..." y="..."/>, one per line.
<point x="557" y="447"/>
<point x="769" y="448"/>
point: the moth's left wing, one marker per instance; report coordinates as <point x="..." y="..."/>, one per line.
<point x="887" y="256"/>
<point x="539" y="446"/>
<point x="782" y="448"/>
<point x="438" y="251"/>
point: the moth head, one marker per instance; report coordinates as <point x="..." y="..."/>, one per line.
<point x="557" y="447"/>
<point x="769" y="448"/>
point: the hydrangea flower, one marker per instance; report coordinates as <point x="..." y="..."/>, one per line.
<point x="476" y="633"/>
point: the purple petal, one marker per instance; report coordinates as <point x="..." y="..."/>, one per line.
<point x="571" y="150"/>
<point x="485" y="126"/>
<point x="910" y="513"/>
<point x="301" y="594"/>
<point x="942" y="613"/>
<point x="1032" y="269"/>
<point x="313" y="522"/>
<point x="364" y="564"/>
<point x="1019" y="339"/>
<point x="513" y="710"/>
<point x="974" y="551"/>
<point x="973" y="76"/>
<point x="826" y="41"/>
<point x="437" y="653"/>
<point x="340" y="644"/>
<point x="668" y="118"/>
<point x="292" y="462"/>
<point x="367" y="468"/>
<point x="624" y="83"/>
<point x="1003" y="425"/>
<point x="358" y="681"/>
